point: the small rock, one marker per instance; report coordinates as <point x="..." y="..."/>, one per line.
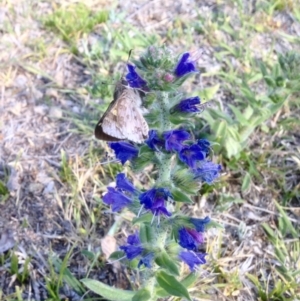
<point x="51" y="93"/>
<point x="49" y="188"/>
<point x="7" y="240"/>
<point x="13" y="180"/>
<point x="20" y="81"/>
<point x="35" y="188"/>
<point x="37" y="94"/>
<point x="55" y="112"/>
<point x="41" y="109"/>
<point x="76" y="110"/>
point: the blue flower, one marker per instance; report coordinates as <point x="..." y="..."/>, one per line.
<point x="116" y="199"/>
<point x="159" y="207"/>
<point x="134" y="239"/>
<point x="124" y="151"/>
<point x="204" y="145"/>
<point x="124" y="184"/>
<point x="174" y="139"/>
<point x="133" y="247"/>
<point x="199" y="223"/>
<point x="191" y="154"/>
<point x="188" y="105"/>
<point x="133" y="79"/>
<point x="186" y="64"/>
<point x="146" y="261"/>
<point x="190" y="238"/>
<point x="154" y="141"/>
<point x="192" y="258"/>
<point x="207" y="172"/>
<point x="154" y="200"/>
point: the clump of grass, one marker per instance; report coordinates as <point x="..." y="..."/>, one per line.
<point x="74" y="20"/>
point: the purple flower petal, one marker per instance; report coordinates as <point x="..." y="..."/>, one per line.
<point x="200" y="223"/>
<point x="174" y="139"/>
<point x="133" y="247"/>
<point x="207" y="172"/>
<point x="146" y="261"/>
<point x="190" y="238"/>
<point x="124" y="151"/>
<point x="132" y="251"/>
<point x="204" y="145"/>
<point x="159" y="207"/>
<point x="116" y="199"/>
<point x="185" y="65"/>
<point x="134" y="239"/>
<point x="133" y="78"/>
<point x="154" y="141"/>
<point x="154" y="200"/>
<point x="191" y="155"/>
<point x="197" y="236"/>
<point x="192" y="259"/>
<point x="147" y="197"/>
<point x="188" y="105"/>
<point x="124" y="184"/>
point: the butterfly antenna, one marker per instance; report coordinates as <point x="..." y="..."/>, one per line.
<point x="129" y="55"/>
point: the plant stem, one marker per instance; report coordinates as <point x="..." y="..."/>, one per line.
<point x="163" y="99"/>
<point x="164" y="172"/>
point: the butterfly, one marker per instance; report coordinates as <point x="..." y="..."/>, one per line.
<point x="123" y="119"/>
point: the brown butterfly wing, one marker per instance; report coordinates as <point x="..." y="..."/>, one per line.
<point x="134" y="126"/>
<point x="99" y="133"/>
<point x="123" y="119"/>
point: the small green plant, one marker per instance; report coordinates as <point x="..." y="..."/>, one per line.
<point x="254" y="109"/>
<point x="287" y="256"/>
<point x="22" y="273"/>
<point x="73" y="21"/>
<point x="60" y="274"/>
<point x="66" y="172"/>
<point x="4" y="192"/>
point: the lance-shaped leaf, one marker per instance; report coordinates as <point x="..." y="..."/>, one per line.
<point x="165" y="261"/>
<point x="179" y="196"/>
<point x="142" y="295"/>
<point x="108" y="292"/>
<point x="171" y="285"/>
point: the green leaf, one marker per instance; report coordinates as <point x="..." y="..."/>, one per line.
<point x="287" y="222"/>
<point x="65" y="273"/>
<point x="189" y="279"/>
<point x="186" y="282"/>
<point x="246" y="182"/>
<point x="116" y="255"/>
<point x="142" y="295"/>
<point x="209" y="93"/>
<point x="146" y="218"/>
<point x="184" y="180"/>
<point x="171" y="285"/>
<point x="269" y="232"/>
<point x="213" y="224"/>
<point x="166" y="262"/>
<point x="147" y="234"/>
<point x="14" y="264"/>
<point x="232" y="146"/>
<point x="3" y="189"/>
<point x="240" y="117"/>
<point x="145" y="156"/>
<point x="220" y="129"/>
<point x="179" y="196"/>
<point x="108" y="292"/>
<point x="270" y="81"/>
